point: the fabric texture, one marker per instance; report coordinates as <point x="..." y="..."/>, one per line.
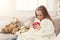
<point x="45" y="33"/>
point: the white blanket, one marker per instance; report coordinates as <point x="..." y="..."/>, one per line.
<point x="45" y="33"/>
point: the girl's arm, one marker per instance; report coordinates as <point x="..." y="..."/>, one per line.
<point x="47" y="28"/>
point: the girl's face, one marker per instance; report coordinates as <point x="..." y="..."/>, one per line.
<point x="39" y="15"/>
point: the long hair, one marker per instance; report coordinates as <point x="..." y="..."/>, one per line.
<point x="44" y="12"/>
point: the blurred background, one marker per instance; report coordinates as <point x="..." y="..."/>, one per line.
<point x="26" y="8"/>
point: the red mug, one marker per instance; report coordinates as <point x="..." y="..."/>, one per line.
<point x="35" y="24"/>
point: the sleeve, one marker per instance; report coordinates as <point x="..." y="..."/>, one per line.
<point x="47" y="28"/>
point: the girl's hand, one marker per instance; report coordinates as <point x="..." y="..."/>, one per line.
<point x="38" y="27"/>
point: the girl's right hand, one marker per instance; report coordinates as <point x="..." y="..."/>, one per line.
<point x="38" y="27"/>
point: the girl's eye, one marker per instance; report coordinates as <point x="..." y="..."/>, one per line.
<point x="39" y="15"/>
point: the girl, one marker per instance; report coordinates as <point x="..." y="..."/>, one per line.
<point x="46" y="28"/>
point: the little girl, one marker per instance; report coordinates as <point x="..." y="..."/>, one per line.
<point x="46" y="27"/>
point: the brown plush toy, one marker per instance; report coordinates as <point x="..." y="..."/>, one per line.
<point x="13" y="27"/>
<point x="5" y="30"/>
<point x="15" y="30"/>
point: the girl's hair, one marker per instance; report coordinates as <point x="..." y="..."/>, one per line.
<point x="44" y="11"/>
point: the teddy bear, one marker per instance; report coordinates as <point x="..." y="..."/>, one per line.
<point x="13" y="27"/>
<point x="5" y="29"/>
